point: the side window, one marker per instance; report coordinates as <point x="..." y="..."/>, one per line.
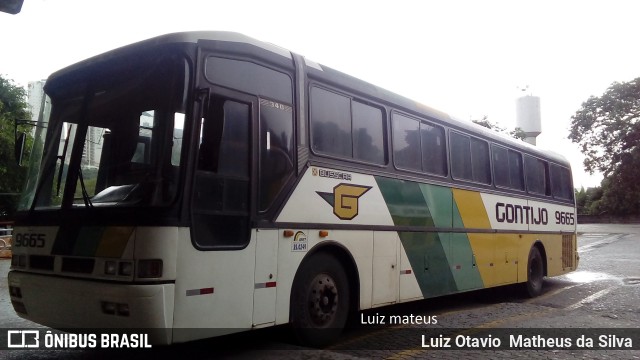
<point x="346" y="128"/>
<point x="276" y="150"/>
<point x="536" y="172"/>
<point x="516" y="173"/>
<point x="460" y="157"/>
<point x="507" y="168"/>
<point x="331" y="123"/>
<point x="561" y="182"/>
<point x="434" y="149"/>
<point x="418" y="145"/>
<point x="368" y="133"/>
<point x="480" y="161"/>
<point x="406" y="143"/>
<point x="501" y="166"/>
<point x="470" y="159"/>
<point x="250" y="78"/>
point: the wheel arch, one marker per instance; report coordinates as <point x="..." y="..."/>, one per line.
<point x="344" y="256"/>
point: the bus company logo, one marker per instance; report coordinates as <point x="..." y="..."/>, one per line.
<point x="21" y="339"/>
<point x="344" y="199"/>
<point x="299" y="242"/>
<point x="331" y="174"/>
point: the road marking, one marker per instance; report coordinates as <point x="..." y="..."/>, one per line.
<point x="589" y="299"/>
<point x="607" y="240"/>
<point x="550" y="294"/>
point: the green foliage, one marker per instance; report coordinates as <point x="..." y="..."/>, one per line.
<point x="588" y="201"/>
<point x="516" y="133"/>
<point x="621" y="190"/>
<point x="608" y="130"/>
<point x="12" y="106"/>
<point x="608" y="127"/>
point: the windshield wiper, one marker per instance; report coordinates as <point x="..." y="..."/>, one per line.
<point x="61" y="158"/>
<point x="85" y="194"/>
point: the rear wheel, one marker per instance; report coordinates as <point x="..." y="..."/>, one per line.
<point x="319" y="300"/>
<point x="535" y="273"/>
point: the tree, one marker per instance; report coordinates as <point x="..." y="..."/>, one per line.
<point x="516" y="133"/>
<point x="12" y="106"/>
<point x="589" y="202"/>
<point x="621" y="190"/>
<point x="608" y="130"/>
<point x="608" y="127"/>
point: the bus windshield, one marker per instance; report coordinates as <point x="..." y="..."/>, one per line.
<point x="114" y="135"/>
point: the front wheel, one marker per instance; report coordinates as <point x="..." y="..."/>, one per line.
<point x="535" y="273"/>
<point x="319" y="300"/>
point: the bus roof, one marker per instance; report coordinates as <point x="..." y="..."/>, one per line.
<point x="319" y="71"/>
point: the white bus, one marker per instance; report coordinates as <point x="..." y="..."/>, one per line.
<point x="207" y="183"/>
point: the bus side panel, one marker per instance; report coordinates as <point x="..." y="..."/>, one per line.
<point x="385" y="268"/>
<point x="266" y="277"/>
<point x="409" y="286"/>
<point x="214" y="290"/>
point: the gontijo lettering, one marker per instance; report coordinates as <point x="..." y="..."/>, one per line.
<point x="519" y="214"/>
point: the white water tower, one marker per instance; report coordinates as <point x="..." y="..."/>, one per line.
<point x="528" y="117"/>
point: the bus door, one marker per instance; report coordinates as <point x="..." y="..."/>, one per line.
<point x="217" y="272"/>
<point x="222" y="191"/>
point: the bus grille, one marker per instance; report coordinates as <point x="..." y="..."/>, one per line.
<point x="568" y="257"/>
<point x="78" y="265"/>
<point x="41" y="262"/>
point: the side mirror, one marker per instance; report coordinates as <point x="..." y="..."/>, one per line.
<point x="19" y="147"/>
<point x="11" y="6"/>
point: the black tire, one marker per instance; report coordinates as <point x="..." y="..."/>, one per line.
<point x="319" y="300"/>
<point x="535" y="273"/>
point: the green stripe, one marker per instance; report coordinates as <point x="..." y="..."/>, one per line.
<point x="427" y="255"/>
<point x="441" y="262"/>
<point x="405" y="202"/>
<point x="88" y="241"/>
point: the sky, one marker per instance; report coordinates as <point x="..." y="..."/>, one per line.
<point x="467" y="58"/>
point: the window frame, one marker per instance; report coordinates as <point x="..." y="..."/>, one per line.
<point x="489" y="158"/>
<point x="547" y="180"/>
<point x="419" y="121"/>
<point x="508" y="152"/>
<point x="351" y="99"/>
<point x="567" y="171"/>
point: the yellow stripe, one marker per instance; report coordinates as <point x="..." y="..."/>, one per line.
<point x="114" y="241"/>
<point x="471" y="209"/>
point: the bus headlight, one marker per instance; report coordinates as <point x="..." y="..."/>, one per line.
<point x="126" y="268"/>
<point x="151" y="268"/>
<point x="110" y="267"/>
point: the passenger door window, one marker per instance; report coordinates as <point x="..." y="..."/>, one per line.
<point x="221" y="198"/>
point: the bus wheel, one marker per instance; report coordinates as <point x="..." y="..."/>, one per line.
<point x="319" y="300"/>
<point x="535" y="273"/>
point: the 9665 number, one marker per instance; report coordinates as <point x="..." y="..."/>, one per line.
<point x="29" y="240"/>
<point x="565" y="218"/>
